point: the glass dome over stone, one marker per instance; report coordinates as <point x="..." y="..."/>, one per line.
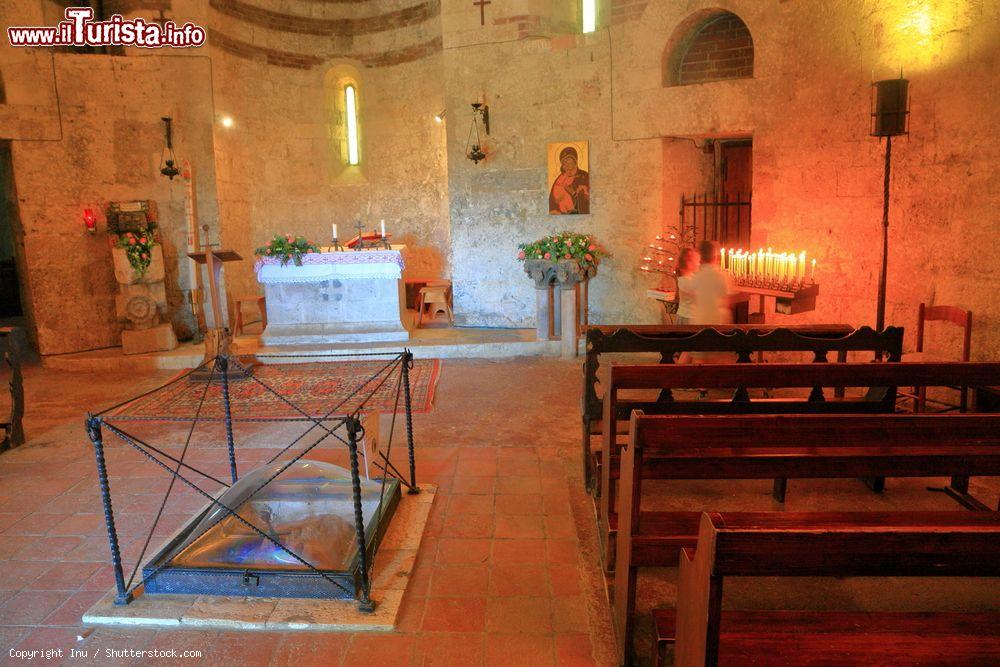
<point x="308" y="508"/>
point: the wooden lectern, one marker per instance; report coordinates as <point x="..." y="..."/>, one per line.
<point x="216" y="340"/>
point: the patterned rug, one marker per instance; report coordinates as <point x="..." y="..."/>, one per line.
<point x="316" y="388"/>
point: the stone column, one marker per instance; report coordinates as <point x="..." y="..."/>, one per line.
<point x="569" y="274"/>
<point x="570" y="327"/>
<point x="542" y="312"/>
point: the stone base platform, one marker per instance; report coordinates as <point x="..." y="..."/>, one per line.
<point x="393" y="564"/>
<point x="313" y="334"/>
<point x="426" y="343"/>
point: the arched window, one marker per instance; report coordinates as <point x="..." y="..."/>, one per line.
<point x="588" y="13"/>
<point x="345" y="98"/>
<point x="709" y="46"/>
<point x="351" y="125"/>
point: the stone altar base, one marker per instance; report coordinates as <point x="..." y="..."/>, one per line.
<point x="393" y="565"/>
<point x="334" y="311"/>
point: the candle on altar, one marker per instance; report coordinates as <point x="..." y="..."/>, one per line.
<point x="722" y="259"/>
<point x="333" y="228"/>
<point x="802" y="266"/>
<point x="792" y="269"/>
<point x="383" y="229"/>
<point x="812" y="276"/>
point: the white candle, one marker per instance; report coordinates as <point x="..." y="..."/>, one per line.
<point x="383" y="229"/>
<point x="334" y="228"/>
<point x="802" y="266"/>
<point x="813" y="276"/>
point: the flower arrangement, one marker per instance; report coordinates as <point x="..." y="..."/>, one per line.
<point x="138" y="248"/>
<point x="287" y="248"/>
<point x="564" y="246"/>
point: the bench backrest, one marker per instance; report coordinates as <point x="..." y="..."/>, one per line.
<point x="820" y="544"/>
<point x="666" y="434"/>
<point x="743" y="340"/>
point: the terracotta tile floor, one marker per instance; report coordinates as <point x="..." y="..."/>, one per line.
<point x="508" y="570"/>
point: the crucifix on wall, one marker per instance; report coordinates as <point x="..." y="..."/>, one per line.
<point x="482" y="10"/>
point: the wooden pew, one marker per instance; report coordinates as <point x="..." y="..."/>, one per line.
<point x="880" y="397"/>
<point x="828" y="544"/>
<point x="769" y="446"/>
<point x="742" y="340"/>
<point x="12" y="346"/>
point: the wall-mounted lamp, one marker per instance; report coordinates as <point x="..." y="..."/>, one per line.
<point x="90" y="220"/>
<point x="474" y="151"/>
<point x="167" y="157"/>
<point x="439" y="117"/>
<point x="226" y="121"/>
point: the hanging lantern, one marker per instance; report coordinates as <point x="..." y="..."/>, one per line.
<point x="167" y="157"/>
<point x="474" y="149"/>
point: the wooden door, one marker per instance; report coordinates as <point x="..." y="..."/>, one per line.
<point x="735" y="187"/>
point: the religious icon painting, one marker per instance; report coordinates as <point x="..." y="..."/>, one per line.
<point x="569" y="180"/>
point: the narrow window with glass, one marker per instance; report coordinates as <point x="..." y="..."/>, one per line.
<point x="589" y="15"/>
<point x="351" y="112"/>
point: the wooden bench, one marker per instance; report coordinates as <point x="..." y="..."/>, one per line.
<point x="769" y="446"/>
<point x="12" y="346"/>
<point x="829" y="544"/>
<point x="741" y="340"/>
<point x="879" y="379"/>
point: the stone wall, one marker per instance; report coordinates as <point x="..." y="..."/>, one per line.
<point x="85" y="130"/>
<point x="280" y="165"/>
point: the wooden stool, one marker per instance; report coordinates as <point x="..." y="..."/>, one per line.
<point x="249" y="298"/>
<point x="434" y="298"/>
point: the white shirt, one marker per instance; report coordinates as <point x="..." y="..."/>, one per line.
<point x="711" y="296"/>
<point x="685" y="296"/>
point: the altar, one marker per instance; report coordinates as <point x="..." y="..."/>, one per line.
<point x="334" y="297"/>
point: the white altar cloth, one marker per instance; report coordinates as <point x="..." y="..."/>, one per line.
<point x="334" y="297"/>
<point x="345" y="265"/>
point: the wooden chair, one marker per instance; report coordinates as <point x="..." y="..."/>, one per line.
<point x="252" y="299"/>
<point x="434" y="299"/>
<point x="958" y="317"/>
<point x="834" y="544"/>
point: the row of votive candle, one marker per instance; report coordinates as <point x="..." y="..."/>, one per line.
<point x="766" y="266"/>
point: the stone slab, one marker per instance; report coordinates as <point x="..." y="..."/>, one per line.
<point x="393" y="566"/>
<point x="160" y="338"/>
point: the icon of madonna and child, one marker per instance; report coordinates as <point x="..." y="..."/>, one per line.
<point x="569" y="189"/>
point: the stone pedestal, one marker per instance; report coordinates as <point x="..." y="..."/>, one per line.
<point x="142" y="302"/>
<point x="161" y="337"/>
<point x="563" y="316"/>
<point x="568" y="296"/>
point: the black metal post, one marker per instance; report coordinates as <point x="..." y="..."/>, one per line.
<point x="407" y="364"/>
<point x="96" y="438"/>
<point x="880" y="312"/>
<point x="222" y="363"/>
<point x="365" y="602"/>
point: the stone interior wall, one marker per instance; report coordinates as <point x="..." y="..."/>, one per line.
<point x="85" y="130"/>
<point x="280" y="166"/>
<point x="817" y="174"/>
